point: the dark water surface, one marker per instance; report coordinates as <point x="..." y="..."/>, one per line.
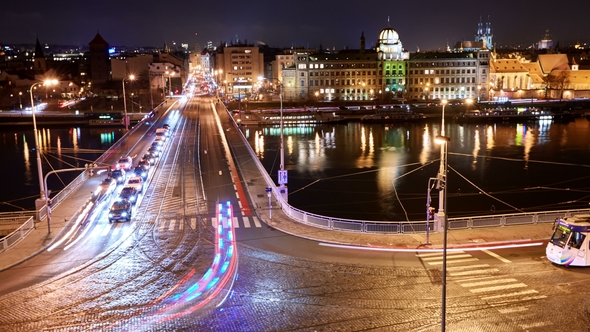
<point x="361" y="171"/>
<point x="60" y="148"/>
<point x="381" y="172"/>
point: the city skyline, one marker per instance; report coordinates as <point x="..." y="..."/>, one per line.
<point x="424" y="26"/>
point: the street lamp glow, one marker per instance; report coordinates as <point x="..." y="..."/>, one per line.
<point x="125" y="119"/>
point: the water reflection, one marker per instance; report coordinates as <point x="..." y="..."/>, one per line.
<point x="364" y="169"/>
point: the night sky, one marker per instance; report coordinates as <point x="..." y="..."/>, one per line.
<point x="426" y="24"/>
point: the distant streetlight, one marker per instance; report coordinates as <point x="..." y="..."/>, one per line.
<point x="43" y="195"/>
<point x="125" y="119"/>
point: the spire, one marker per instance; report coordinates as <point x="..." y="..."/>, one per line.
<point x="362" y="45"/>
<point x="38" y="50"/>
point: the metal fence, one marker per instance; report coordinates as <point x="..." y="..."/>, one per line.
<point x="20" y="232"/>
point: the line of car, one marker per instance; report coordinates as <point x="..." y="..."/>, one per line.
<point x="131" y="178"/>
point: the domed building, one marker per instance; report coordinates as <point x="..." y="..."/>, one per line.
<point x="389" y="47"/>
<point x="391" y="57"/>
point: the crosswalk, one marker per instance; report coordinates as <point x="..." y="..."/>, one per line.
<point x="506" y="294"/>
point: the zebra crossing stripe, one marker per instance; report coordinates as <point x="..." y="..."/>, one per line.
<point x="106" y="231"/>
<point x="214" y="222"/>
<point x="454" y="261"/>
<point x="256" y="222"/>
<point x="235" y="222"/>
<point x="162" y="225"/>
<point x="467" y="267"/>
<point x="488" y="282"/>
<point x="497" y="256"/>
<point x="247" y="222"/>
<point x="497" y="288"/>
<point x="181" y="225"/>
<point x="172" y="224"/>
<point x="526" y="292"/>
<point x="448" y="257"/>
<point x="117" y="229"/>
<point x="472" y="272"/>
<point x="193" y="223"/>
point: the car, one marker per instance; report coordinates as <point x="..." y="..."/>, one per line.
<point x="151" y="159"/>
<point x="119" y="175"/>
<point x="160" y="139"/>
<point x="135" y="182"/>
<point x="140" y="171"/>
<point x="120" y="210"/>
<point x="154" y="152"/>
<point x="130" y="194"/>
<point x="158" y="146"/>
<point x="106" y="187"/>
<point x="144" y="163"/>
<point x="125" y="163"/>
<point x="166" y="126"/>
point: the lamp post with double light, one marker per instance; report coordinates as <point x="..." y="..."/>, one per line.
<point x="125" y="118"/>
<point x="442" y="207"/>
<point x="42" y="201"/>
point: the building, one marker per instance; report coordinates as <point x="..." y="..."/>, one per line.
<point x="99" y="60"/>
<point x="448" y="75"/>
<point x="241" y="65"/>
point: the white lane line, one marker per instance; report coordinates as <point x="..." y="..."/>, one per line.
<point x="448" y="257"/>
<point x="106" y="230"/>
<point x="488" y="282"/>
<point x="493" y="254"/>
<point x="387" y="249"/>
<point x="497" y="288"/>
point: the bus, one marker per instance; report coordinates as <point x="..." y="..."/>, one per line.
<point x="569" y="244"/>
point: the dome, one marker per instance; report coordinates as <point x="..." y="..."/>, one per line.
<point x="388" y="36"/>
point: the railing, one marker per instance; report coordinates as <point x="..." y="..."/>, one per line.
<point x="403" y="227"/>
<point x="18" y="234"/>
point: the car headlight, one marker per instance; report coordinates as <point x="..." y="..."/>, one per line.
<point x="110" y="215"/>
<point x="124" y="214"/>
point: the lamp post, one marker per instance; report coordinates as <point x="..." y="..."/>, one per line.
<point x="43" y="196"/>
<point x="125" y="119"/>
<point x="442" y="207"/>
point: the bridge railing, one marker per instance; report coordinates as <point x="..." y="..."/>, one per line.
<point x="22" y="229"/>
<point x="403" y="227"/>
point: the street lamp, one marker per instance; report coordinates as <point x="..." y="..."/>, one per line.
<point x="125" y="119"/>
<point x="442" y="207"/>
<point x="43" y="197"/>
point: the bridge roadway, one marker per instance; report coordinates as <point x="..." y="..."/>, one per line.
<point x="251" y="179"/>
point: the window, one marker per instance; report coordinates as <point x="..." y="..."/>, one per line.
<point x="302" y="83"/>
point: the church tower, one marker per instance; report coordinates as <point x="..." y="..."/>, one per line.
<point x="484" y="35"/>
<point x="99" y="60"/>
<point x="40" y="64"/>
<point x="362" y="46"/>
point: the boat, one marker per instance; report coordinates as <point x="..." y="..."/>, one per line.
<point x="505" y="115"/>
<point x="392" y="116"/>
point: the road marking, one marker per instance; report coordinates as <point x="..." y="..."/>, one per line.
<point x="497" y="288"/>
<point x="235" y="222"/>
<point x="181" y="225"/>
<point x="496" y="256"/>
<point x="466" y="267"/>
<point x="193" y="223"/>
<point x="246" y="222"/>
<point x="106" y="231"/>
<point x="473" y="272"/>
<point x="162" y="225"/>
<point x="525" y="292"/>
<point x="488" y="282"/>
<point x="172" y="224"/>
<point x="448" y="257"/>
<point x="256" y="222"/>
<point x="454" y="261"/>
<point x="437" y="254"/>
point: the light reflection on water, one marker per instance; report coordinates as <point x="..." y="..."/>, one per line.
<point x="380" y="172"/>
<point x="62" y="147"/>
